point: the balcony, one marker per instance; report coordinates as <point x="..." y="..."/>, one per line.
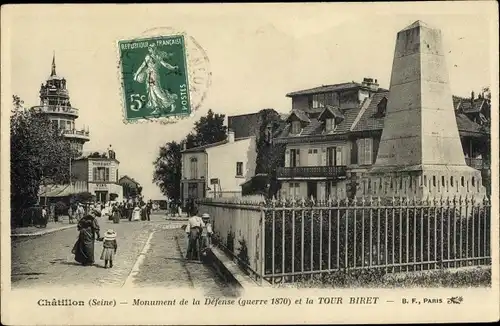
<point x="477" y="163"/>
<point x="312" y="172"/>
<point x="80" y="134"/>
<point x="58" y="109"/>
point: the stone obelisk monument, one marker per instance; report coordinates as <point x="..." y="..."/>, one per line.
<point x="420" y="154"/>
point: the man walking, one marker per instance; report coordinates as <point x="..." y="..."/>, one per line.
<point x="149" y="207"/>
<point x="193" y="230"/>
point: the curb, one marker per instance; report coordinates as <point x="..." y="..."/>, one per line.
<point x="36" y="234"/>
<point x="232" y="268"/>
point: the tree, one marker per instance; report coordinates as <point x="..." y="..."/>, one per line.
<point x="208" y="130"/>
<point x="167" y="170"/>
<point x="270" y="155"/>
<point x="39" y="156"/>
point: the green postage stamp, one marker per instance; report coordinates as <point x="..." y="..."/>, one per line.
<point x="155" y="79"/>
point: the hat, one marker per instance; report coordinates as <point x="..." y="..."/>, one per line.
<point x="110" y="235"/>
<point x="205" y="215"/>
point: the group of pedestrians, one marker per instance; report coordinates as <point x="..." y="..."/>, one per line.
<point x="199" y="234"/>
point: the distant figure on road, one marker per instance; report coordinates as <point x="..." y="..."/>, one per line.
<point x="193" y="230"/>
<point x="83" y="249"/>
<point x="149" y="208"/>
<point x="136" y="213"/>
<point x="109" y="247"/>
<point x="115" y="211"/>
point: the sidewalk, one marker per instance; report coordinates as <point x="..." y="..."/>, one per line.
<point x="33" y="231"/>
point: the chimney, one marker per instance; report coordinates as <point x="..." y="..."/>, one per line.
<point x="371" y="83"/>
<point x="230" y="136"/>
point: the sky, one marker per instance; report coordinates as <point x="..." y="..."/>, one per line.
<point x="257" y="53"/>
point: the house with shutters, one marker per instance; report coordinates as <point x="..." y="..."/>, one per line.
<point x="333" y="133"/>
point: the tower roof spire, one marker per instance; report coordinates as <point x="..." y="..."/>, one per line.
<point x="53" y="73"/>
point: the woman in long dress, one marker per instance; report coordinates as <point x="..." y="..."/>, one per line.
<point x="158" y="97"/>
<point x="83" y="249"/>
<point x="116" y="214"/>
<point x="136" y="213"/>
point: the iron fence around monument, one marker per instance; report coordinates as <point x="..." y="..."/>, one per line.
<point x="287" y="241"/>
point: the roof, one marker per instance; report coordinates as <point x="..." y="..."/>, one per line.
<point x="326" y="88"/>
<point x="301" y="115"/>
<point x="244" y="125"/>
<point x="127" y="177"/>
<point x="333" y="111"/>
<point x="365" y="118"/>
<point x="369" y="120"/>
<point x="467" y="106"/>
<point x="204" y="147"/>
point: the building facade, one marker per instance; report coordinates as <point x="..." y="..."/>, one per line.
<point x="55" y="103"/>
<point x="219" y="169"/>
<point x="333" y="134"/>
<point x="99" y="172"/>
<point x="131" y="188"/>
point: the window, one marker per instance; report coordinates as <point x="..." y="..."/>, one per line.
<point x="295" y="189"/>
<point x="365" y="151"/>
<point x="294" y="157"/>
<point x="101" y="174"/>
<point x="330" y="124"/>
<point x="318" y="101"/>
<point x="193" y="168"/>
<point x="296" y="127"/>
<point x="68" y="125"/>
<point x="239" y="168"/>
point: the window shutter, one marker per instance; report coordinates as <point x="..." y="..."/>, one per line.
<point x="339" y="157"/>
<point x="354" y="152"/>
<point x="376" y="142"/>
<point x="287" y="158"/>
<point x="297" y="160"/>
<point x="369" y="151"/>
<point x="323" y="157"/>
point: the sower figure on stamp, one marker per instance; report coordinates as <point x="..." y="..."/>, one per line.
<point x="194" y="228"/>
<point x="159" y="98"/>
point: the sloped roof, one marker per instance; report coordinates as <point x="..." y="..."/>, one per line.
<point x="326" y="88"/>
<point x="243" y="125"/>
<point x="315" y="126"/>
<point x="301" y="115"/>
<point x="365" y="118"/>
<point x="202" y="148"/>
<point x="369" y="119"/>
<point x="57" y="191"/>
<point x="334" y="111"/>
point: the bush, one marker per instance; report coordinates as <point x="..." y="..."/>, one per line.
<point x="377" y="278"/>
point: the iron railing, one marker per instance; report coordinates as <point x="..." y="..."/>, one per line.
<point x="312" y="171"/>
<point x="285" y="241"/>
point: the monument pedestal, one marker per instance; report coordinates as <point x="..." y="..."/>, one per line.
<point x="423" y="182"/>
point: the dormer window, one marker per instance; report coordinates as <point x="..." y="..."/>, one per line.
<point x="296" y="128"/>
<point x="329" y="124"/>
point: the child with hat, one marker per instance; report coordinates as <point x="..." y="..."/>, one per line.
<point x="109" y="247"/>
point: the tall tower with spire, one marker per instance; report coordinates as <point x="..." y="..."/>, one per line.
<point x="55" y="103"/>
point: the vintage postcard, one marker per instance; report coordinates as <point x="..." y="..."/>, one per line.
<point x="249" y="163"/>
